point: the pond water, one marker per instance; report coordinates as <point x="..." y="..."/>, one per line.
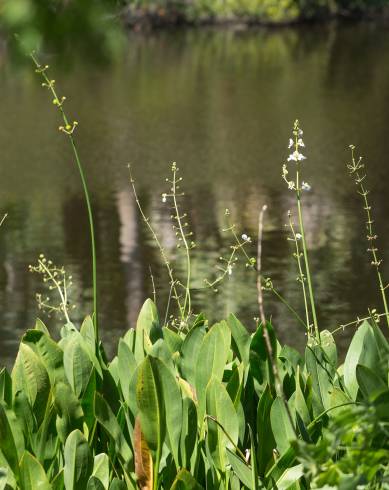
<point x="221" y="104"/>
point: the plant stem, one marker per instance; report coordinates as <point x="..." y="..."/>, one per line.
<point x="259" y="265"/>
<point x="301" y="274"/>
<point x="187" y="301"/>
<point x="305" y="252"/>
<point x="59" y="103"/>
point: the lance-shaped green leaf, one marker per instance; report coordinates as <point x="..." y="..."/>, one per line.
<point x="78" y="461"/>
<point x="126" y="367"/>
<point x="32" y="474"/>
<point x="266" y="442"/>
<point x="30" y="376"/>
<point x="5" y="387"/>
<point x="363" y="350"/>
<point x="69" y="412"/>
<point x="11" y="438"/>
<point x="150" y="405"/>
<point x="189" y="353"/>
<point x="147" y="328"/>
<point x="118" y="485"/>
<point x="240" y="339"/>
<point x="185" y="481"/>
<point x="281" y="425"/>
<point x="78" y="365"/>
<point x="48" y="352"/>
<point x="223" y="424"/>
<point x="107" y="419"/>
<point x="322" y="373"/>
<point x="211" y="362"/>
<point x="101" y="469"/>
<point x="241" y="468"/>
<point x="369" y="383"/>
<point x="173" y="408"/>
<point x="95" y="484"/>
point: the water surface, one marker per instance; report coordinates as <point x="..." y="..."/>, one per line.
<point x="220" y="104"/>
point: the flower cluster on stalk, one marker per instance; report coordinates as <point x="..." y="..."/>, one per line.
<point x="295" y="144"/>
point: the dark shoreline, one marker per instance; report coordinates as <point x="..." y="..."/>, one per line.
<point x="144" y="20"/>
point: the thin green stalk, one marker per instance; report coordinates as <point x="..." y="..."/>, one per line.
<point x="301" y="278"/>
<point x="146" y="220"/>
<point x="354" y="169"/>
<point x="305" y="252"/>
<point x="68" y="130"/>
<point x="187" y="301"/>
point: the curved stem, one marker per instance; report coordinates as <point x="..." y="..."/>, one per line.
<point x="59" y="103"/>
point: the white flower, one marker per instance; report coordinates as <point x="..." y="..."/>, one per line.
<point x="305" y="186"/>
<point x="164" y="197"/>
<point x="301" y="132"/>
<point x="229" y="269"/>
<point x="291" y="184"/>
<point x="246" y="238"/>
<point x="300" y="142"/>
<point x="296" y="156"/>
<point x="298" y="236"/>
<point x="291" y="143"/>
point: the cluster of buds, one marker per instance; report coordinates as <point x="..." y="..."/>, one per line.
<point x="69" y="128"/>
<point x="56" y="279"/>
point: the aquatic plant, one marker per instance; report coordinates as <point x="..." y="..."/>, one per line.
<point x="187" y="404"/>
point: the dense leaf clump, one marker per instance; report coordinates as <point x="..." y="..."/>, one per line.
<point x="215" y="407"/>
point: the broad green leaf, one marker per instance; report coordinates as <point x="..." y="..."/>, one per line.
<point x="189" y="353"/>
<point x="150" y="404"/>
<point x="32" y="474"/>
<point x="69" y="412"/>
<point x="58" y="481"/>
<point x="78" y="461"/>
<point x="260" y="363"/>
<point x="126" y="366"/>
<point x="172" y="339"/>
<point x="323" y="376"/>
<point x="363" y="350"/>
<point x="95" y="484"/>
<point x="101" y="469"/>
<point x="78" y="366"/>
<point x="117" y="485"/>
<point x="240" y="339"/>
<point x="173" y="408"/>
<point x="147" y="323"/>
<point x="188" y="434"/>
<point x="49" y="353"/>
<point x="222" y="420"/>
<point x="241" y="468"/>
<point x="30" y="376"/>
<point x="211" y="361"/>
<point x="290" y="477"/>
<point x="235" y="384"/>
<point x="3" y="477"/>
<point x="329" y="347"/>
<point x="266" y="442"/>
<point x="369" y="383"/>
<point x="185" y="481"/>
<point x="108" y="420"/>
<point x="5" y="387"/>
<point x="281" y="425"/>
<point x="11" y="438"/>
<point x="87" y="331"/>
<point x="39" y="325"/>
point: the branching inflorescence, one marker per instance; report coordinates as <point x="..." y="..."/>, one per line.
<point x="56" y="279"/>
<point x="298" y="186"/>
<point x="357" y="171"/>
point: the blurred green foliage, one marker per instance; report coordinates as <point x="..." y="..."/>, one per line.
<point x="63" y="24"/>
<point x="96" y="27"/>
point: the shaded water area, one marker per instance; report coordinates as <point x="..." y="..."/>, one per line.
<point x="221" y="104"/>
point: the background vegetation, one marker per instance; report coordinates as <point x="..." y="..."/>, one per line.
<point x="61" y="23"/>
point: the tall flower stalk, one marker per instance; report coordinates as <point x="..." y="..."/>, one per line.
<point x="68" y="129"/>
<point x="357" y="172"/>
<point x="298" y="186"/>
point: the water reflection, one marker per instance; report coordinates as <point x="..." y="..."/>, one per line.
<point x="221" y="104"/>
